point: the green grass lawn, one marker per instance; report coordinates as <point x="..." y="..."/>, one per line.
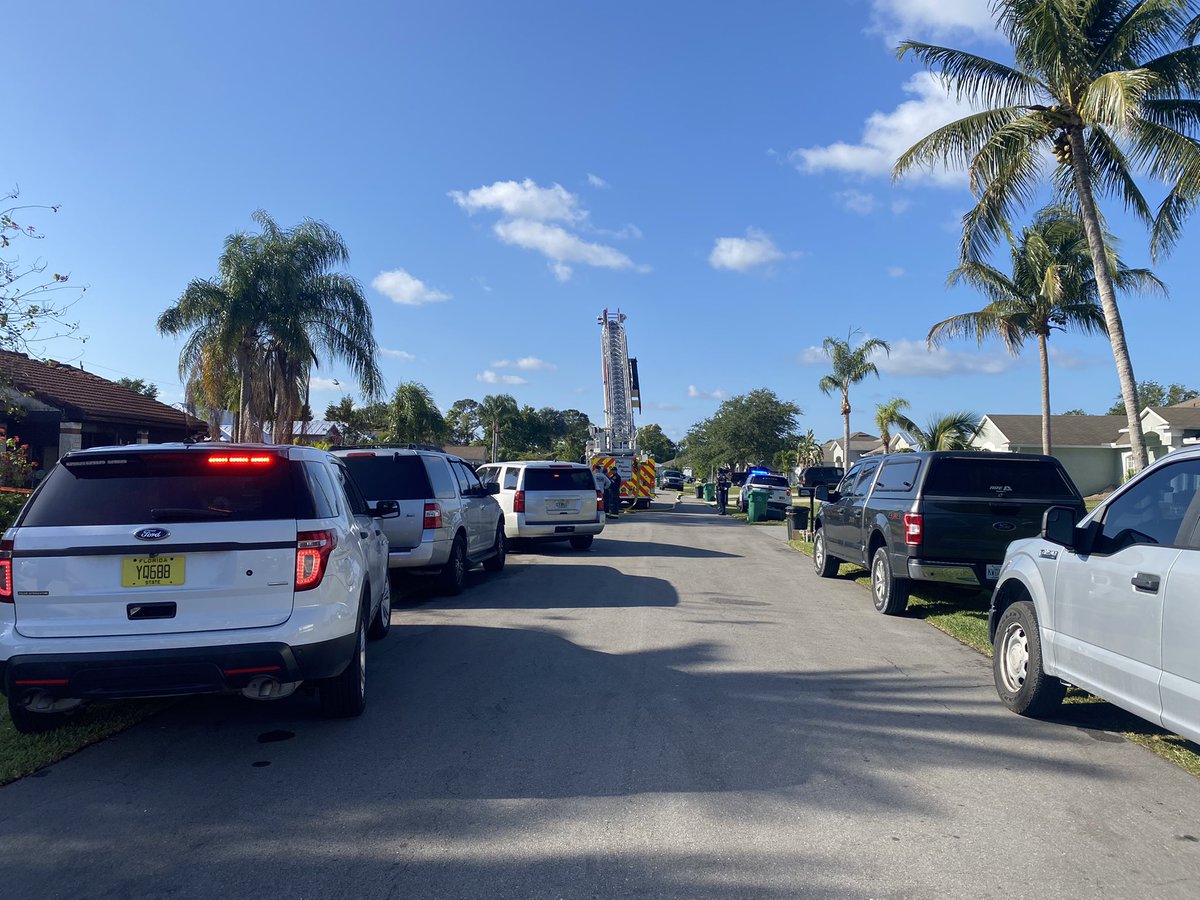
<point x="963" y="615"/>
<point x="22" y="754"/>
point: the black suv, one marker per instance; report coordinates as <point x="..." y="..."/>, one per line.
<point x="815" y="476"/>
<point x="946" y="517"/>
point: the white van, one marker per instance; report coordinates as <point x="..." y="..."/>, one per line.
<point x="547" y="501"/>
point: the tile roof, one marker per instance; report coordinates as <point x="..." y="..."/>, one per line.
<point x="83" y="396"/>
<point x="1065" y="431"/>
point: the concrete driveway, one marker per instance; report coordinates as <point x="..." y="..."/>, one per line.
<point x="685" y="710"/>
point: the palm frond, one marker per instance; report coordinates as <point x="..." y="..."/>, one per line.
<point x="1116" y="97"/>
<point x="955" y="145"/>
<point x="975" y="78"/>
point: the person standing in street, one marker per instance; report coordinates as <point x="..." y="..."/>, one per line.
<point x="722" y="490"/>
<point x="604" y="484"/>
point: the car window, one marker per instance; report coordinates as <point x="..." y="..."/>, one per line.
<point x="845" y="484"/>
<point x="898" y="475"/>
<point x="321" y="488"/>
<point x="769" y="480"/>
<point x="461" y="476"/>
<point x="1162" y="508"/>
<point x="510" y="478"/>
<point x="472" y="481"/>
<point x="559" y="479"/>
<point x="354" y="498"/>
<point x="143" y="487"/>
<point x="439" y="475"/>
<point x="389" y="477"/>
<point x="863" y="482"/>
<point x="488" y="474"/>
<point x="998" y="478"/>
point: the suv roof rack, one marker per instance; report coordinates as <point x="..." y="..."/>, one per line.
<point x="387" y="446"/>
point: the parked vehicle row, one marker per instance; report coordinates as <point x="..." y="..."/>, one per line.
<point x="175" y="569"/>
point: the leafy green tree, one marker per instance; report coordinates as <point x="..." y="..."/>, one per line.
<point x="808" y="450"/>
<point x="951" y="431"/>
<point x="497" y="415"/>
<point x="272" y="314"/>
<point x="358" y="424"/>
<point x="888" y="415"/>
<point x="1109" y="86"/>
<point x="1151" y="393"/>
<point x="1080" y="412"/>
<point x="413" y="417"/>
<point x="748" y="428"/>
<point x="652" y="440"/>
<point x="462" y="421"/>
<point x="139" y="386"/>
<point x="850" y="366"/>
<point x="1052" y="288"/>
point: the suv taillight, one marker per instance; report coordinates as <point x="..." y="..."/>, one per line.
<point x="433" y="516"/>
<point x="312" y="557"/>
<point x="519" y="502"/>
<point x="6" y="584"/>
<point x="599" y="501"/>
<point x="914" y="525"/>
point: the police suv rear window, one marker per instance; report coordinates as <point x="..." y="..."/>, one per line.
<point x="390" y="476"/>
<point x="572" y="479"/>
<point x="769" y="480"/>
<point x="998" y="479"/>
<point x="188" y="486"/>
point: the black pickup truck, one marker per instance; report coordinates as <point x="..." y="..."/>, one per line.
<point x="946" y="517"/>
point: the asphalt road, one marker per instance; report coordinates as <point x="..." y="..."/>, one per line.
<point x="686" y="710"/>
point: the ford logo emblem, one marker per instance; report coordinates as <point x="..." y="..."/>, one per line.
<point x="1004" y="526"/>
<point x="151" y="534"/>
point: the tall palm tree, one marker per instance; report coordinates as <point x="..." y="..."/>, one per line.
<point x="414" y="417"/>
<point x="950" y="431"/>
<point x="495" y="412"/>
<point x="808" y="450"/>
<point x="850" y="366"/>
<point x="276" y="311"/>
<point x="1052" y="288"/>
<point x="887" y="415"/>
<point x="1110" y="86"/>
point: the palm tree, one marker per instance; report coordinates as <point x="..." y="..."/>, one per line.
<point x="275" y="311"/>
<point x="1110" y="86"/>
<point x="495" y="411"/>
<point x="808" y="450"/>
<point x="1052" y="288"/>
<point x="414" y="417"/>
<point x="850" y="366"/>
<point x="887" y="415"/>
<point x="951" y="431"/>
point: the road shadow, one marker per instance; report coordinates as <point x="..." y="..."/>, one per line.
<point x="608" y="547"/>
<point x="477" y="740"/>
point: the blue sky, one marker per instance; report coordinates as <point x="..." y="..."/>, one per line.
<point x="503" y="172"/>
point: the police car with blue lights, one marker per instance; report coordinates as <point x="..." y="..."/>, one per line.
<point x="779" y="501"/>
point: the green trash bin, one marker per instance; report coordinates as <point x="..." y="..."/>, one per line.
<point x="756" y="504"/>
<point x="710" y="492"/>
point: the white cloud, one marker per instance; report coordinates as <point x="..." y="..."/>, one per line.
<point x="404" y="289"/>
<point x="596" y="181"/>
<point x="325" y="384"/>
<point x="487" y="376"/>
<point x="528" y="363"/>
<point x="559" y="246"/>
<point x="810" y="356"/>
<point x="931" y="19"/>
<point x="397" y="354"/>
<point x="483" y="283"/>
<point x="896" y="271"/>
<point x="858" y="202"/>
<point x="914" y="358"/>
<point x="1064" y="359"/>
<point x="523" y="200"/>
<point x="694" y="391"/>
<point x="886" y="135"/>
<point x="665" y="406"/>
<point x="742" y="254"/>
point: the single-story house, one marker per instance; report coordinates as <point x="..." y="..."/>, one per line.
<point x="55" y="407"/>
<point x="861" y="444"/>
<point x="476" y="456"/>
<point x="1166" y="428"/>
<point x="1085" y="445"/>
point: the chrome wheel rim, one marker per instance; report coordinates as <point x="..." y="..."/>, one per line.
<point x="460" y="565"/>
<point x="879" y="582"/>
<point x="1014" y="657"/>
<point x="819" y="551"/>
<point x="385" y="605"/>
<point x="501" y="549"/>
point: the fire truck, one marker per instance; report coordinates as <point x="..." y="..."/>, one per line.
<point x="613" y="446"/>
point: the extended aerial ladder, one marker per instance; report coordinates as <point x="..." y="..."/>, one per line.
<point x="614" y="446"/>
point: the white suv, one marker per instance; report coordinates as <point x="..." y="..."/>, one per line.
<point x="171" y="569"/>
<point x="547" y="501"/>
<point x="1108" y="605"/>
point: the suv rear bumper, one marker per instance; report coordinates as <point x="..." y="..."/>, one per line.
<point x="426" y="555"/>
<point x="559" y="531"/>
<point x="173" y="672"/>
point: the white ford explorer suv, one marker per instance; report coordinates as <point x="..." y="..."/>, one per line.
<point x="1109" y="605"/>
<point x="171" y="569"/>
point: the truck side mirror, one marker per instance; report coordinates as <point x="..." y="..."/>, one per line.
<point x="1059" y="527"/>
<point x="821" y="492"/>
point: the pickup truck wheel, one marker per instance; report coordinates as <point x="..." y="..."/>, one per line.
<point x="1022" y="684"/>
<point x="495" y="562"/>
<point x="582" y="541"/>
<point x="454" y="573"/>
<point x="889" y="592"/>
<point x="825" y="565"/>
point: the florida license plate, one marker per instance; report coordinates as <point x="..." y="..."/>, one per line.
<point x="993" y="572"/>
<point x="151" y="571"/>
